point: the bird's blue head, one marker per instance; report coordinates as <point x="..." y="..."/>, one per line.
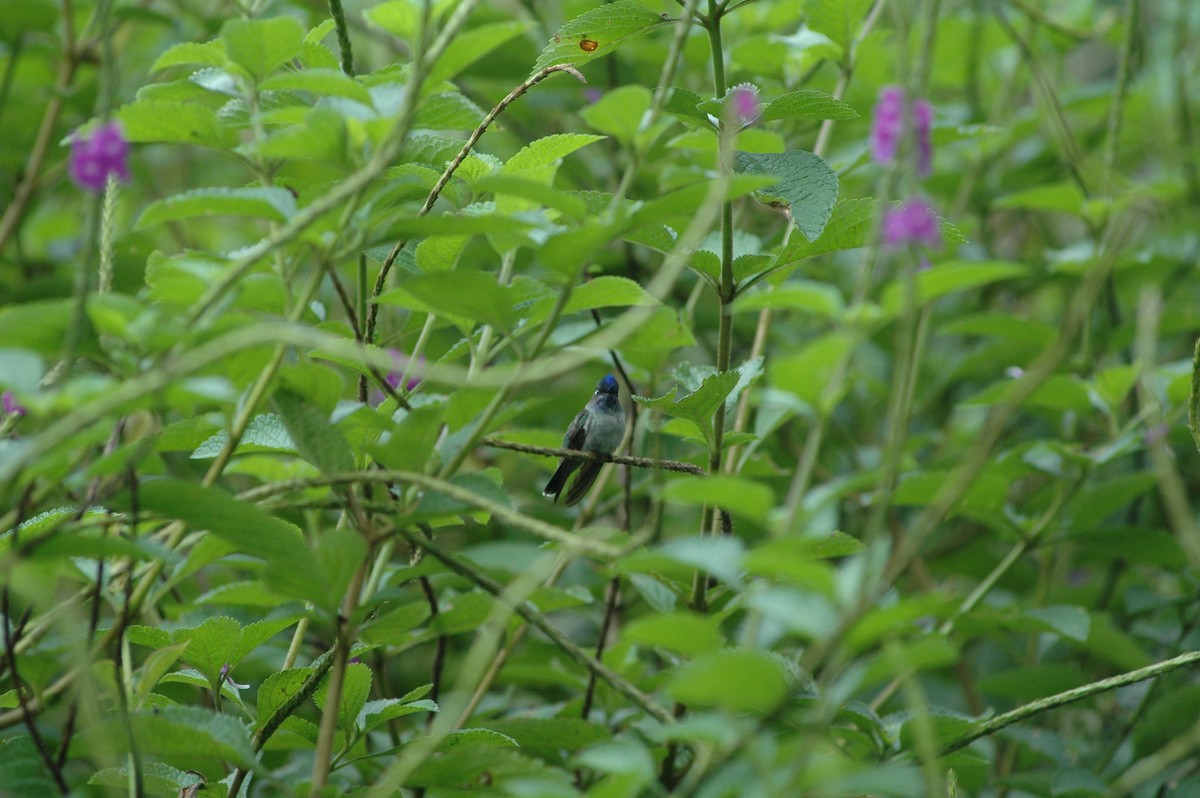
<point x="607" y="385"/>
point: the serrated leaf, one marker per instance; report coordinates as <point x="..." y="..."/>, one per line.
<point x="685" y="104"/>
<point x="260" y="46"/>
<point x="597" y="33"/>
<point x="850" y="226"/>
<point x="277" y="688"/>
<point x="264" y="433"/>
<point x="807" y="104"/>
<point x="805" y="184"/>
<point x="210" y="646"/>
<point x="201" y="53"/>
<point x="356" y="687"/>
<point x="699" y="406"/>
<point x="531" y="159"/>
<point x="273" y="204"/>
<point x="448" y="111"/>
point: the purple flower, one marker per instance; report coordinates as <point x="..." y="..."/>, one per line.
<point x="888" y="128"/>
<point x="94" y="157"/>
<point x="914" y="222"/>
<point x="592" y="95"/>
<point x="401" y="361"/>
<point x="743" y="99"/>
<point x="10" y="404"/>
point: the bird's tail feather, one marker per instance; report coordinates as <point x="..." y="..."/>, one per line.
<point x="579" y="488"/>
<point x="559" y="481"/>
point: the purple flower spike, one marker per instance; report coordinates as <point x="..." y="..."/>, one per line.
<point x="888" y="124"/>
<point x="914" y="222"/>
<point x="888" y="128"/>
<point x="11" y="405"/>
<point x="743" y="99"/>
<point x="95" y="157"/>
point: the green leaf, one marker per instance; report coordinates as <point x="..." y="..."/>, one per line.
<point x="850" y="226"/>
<point x="684" y="104"/>
<point x="619" y="112"/>
<point x="262" y="45"/>
<point x="818" y="299"/>
<point x="1065" y="620"/>
<point x="338" y="554"/>
<point x="273" y="204"/>
<point x="210" y="646"/>
<point x="326" y="82"/>
<point x="176" y="731"/>
<point x="244" y="525"/>
<point x="837" y="19"/>
<point x="410" y="445"/>
<point x="1064" y="196"/>
<point x="41" y="326"/>
<point x="806" y="185"/>
<point x="448" y="111"/>
<point x="535" y="191"/>
<point x="469" y="46"/>
<point x="22" y="771"/>
<point x="738" y="495"/>
<point x="316" y="438"/>
<point x="597" y="33"/>
<point x="951" y="277"/>
<point x="160" y="779"/>
<point x="401" y="18"/>
<point x="532" y="159"/>
<point x="809" y="372"/>
<point x="172" y="122"/>
<point x="471" y="295"/>
<point x="265" y="433"/>
<point x="681" y="632"/>
<point x="276" y="689"/>
<point x="547" y="736"/>
<point x="807" y="104"/>
<point x="699" y="406"/>
<point x="356" y="687"/>
<point x="198" y="53"/>
<point x="738" y="681"/>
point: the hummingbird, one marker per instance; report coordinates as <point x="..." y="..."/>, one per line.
<point x="599" y="427"/>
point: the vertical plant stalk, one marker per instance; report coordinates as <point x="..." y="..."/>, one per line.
<point x="323" y="755"/>
<point x="1116" y="109"/>
<point x="726" y="293"/>
<point x="343" y="36"/>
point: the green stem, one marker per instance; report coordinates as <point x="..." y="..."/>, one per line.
<point x="1057" y="700"/>
<point x="343" y="36"/>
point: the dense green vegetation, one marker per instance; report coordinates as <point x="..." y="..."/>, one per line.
<point x="297" y="301"/>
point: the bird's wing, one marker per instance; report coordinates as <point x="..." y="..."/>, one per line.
<point x="577" y="432"/>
